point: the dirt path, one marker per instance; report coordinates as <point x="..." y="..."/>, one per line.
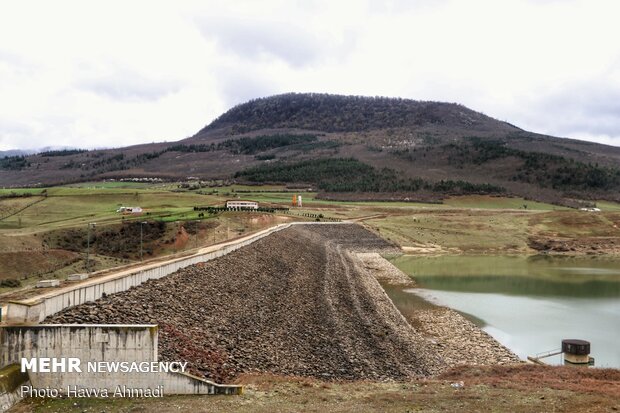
<point x="295" y="303"/>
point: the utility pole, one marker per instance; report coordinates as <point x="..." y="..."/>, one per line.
<point x="196" y="237"/>
<point x="90" y="225"/>
<point x="141" y="223"/>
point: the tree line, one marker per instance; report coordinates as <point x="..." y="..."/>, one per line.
<point x="351" y="175"/>
<point x="542" y="169"/>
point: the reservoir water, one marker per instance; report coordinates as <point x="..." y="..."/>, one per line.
<point x="529" y="304"/>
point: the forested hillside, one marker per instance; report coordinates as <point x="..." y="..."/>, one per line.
<point x="335" y="113"/>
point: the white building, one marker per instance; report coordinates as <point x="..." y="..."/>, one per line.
<point x="241" y="204"/>
<point x="129" y="210"/>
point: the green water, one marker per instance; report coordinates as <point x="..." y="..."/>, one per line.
<point x="528" y="304"/>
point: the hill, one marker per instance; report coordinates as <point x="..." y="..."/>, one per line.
<point x="417" y="149"/>
<point x="335" y="113"/>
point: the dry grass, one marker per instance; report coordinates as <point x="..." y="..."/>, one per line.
<point x="605" y="382"/>
<point x="21" y="264"/>
<point x="576" y="224"/>
<point x="458" y="230"/>
<point x="522" y="388"/>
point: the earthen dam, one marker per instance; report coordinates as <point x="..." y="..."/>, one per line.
<point x="297" y="302"/>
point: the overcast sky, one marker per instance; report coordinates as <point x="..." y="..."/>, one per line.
<point x="113" y="73"/>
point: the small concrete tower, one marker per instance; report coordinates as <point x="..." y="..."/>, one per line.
<point x="576" y="352"/>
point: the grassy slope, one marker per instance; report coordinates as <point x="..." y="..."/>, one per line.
<point x="458" y="231"/>
<point x="67" y="207"/>
<point x="76" y="206"/>
<point x="491" y="202"/>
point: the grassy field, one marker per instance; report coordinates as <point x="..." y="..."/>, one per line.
<point x="458" y="231"/>
<point x="19" y="191"/>
<point x="608" y="206"/>
<point x="12" y="206"/>
<point x="68" y="207"/>
<point x="577" y="224"/>
<point x="491" y="231"/>
<point x="76" y="205"/>
<point x="494" y="202"/>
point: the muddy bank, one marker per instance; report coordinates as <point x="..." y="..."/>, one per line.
<point x="575" y="246"/>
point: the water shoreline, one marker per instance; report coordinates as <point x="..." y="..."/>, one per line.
<point x="457" y="340"/>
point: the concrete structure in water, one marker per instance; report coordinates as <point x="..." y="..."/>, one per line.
<point x="577" y="352"/>
<point x="574" y="352"/>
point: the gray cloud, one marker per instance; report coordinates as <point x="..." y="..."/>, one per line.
<point x="16" y="62"/>
<point x="249" y="39"/>
<point x="584" y="109"/>
<point x="128" y="86"/>
<point x="237" y="85"/>
<point x="15" y="134"/>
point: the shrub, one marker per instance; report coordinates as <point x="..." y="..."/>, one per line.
<point x="11" y="283"/>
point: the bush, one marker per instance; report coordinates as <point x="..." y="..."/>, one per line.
<point x="11" y="283"/>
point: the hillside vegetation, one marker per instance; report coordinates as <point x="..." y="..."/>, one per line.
<point x="335" y="113"/>
<point x="541" y="169"/>
<point x="350" y="175"/>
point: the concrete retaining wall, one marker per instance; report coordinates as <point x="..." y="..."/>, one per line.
<point x="11" y="378"/>
<point x="9" y="399"/>
<point x="86" y="342"/>
<point x="35" y="311"/>
<point x="96" y="343"/>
